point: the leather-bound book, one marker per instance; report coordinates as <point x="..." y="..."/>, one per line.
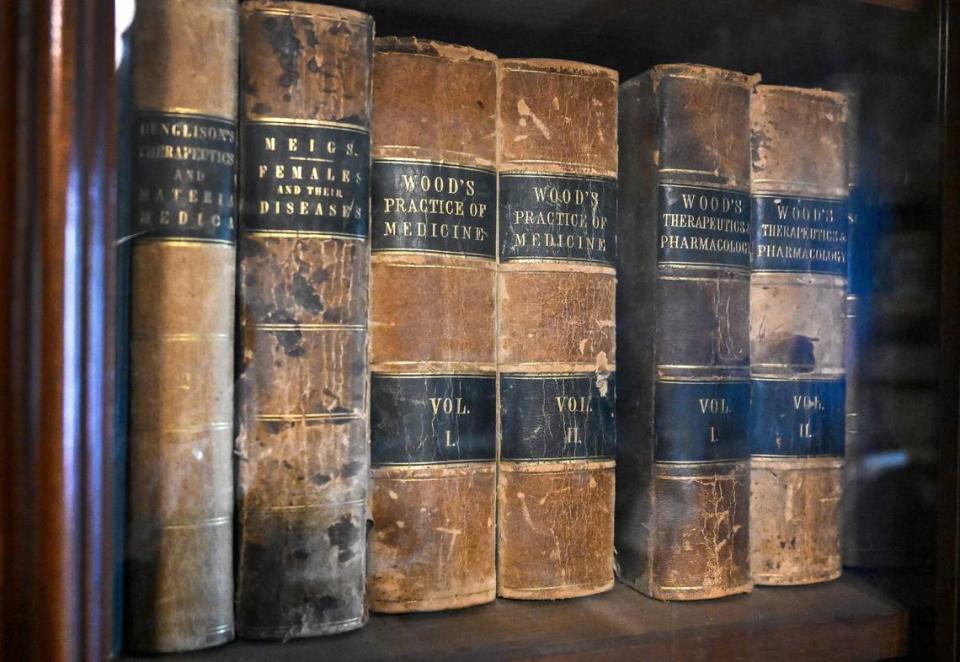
<point x="557" y="160"/>
<point x="797" y="288"/>
<point x="179" y="554"/>
<point x="303" y="274"/>
<point x="433" y="284"/>
<point x="682" y="308"/>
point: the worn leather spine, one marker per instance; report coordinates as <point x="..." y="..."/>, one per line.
<point x="683" y="405"/>
<point x="303" y="413"/>
<point x="433" y="363"/>
<point x="797" y="289"/>
<point x="557" y="160"/>
<point x="178" y="556"/>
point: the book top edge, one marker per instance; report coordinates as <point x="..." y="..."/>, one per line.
<point x="307" y="9"/>
<point x="431" y="48"/>
<point x="816" y="93"/>
<point x="702" y="71"/>
<point x="568" y="67"/>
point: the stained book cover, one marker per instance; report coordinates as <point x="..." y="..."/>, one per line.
<point x="433" y="369"/>
<point x="682" y="335"/>
<point x="179" y="553"/>
<point x="797" y="292"/>
<point x="303" y="273"/>
<point x="557" y="160"/>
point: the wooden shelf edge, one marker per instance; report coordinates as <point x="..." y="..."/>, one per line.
<point x="847" y="617"/>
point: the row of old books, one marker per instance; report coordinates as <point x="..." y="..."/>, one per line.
<point x="383" y="374"/>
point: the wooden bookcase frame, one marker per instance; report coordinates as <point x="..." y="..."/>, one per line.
<point x="57" y="333"/>
<point x="56" y="329"/>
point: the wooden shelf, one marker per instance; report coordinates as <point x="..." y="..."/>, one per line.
<point x="837" y="620"/>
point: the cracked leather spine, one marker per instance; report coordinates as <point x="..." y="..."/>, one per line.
<point x="302" y="428"/>
<point x="433" y="364"/>
<point x="682" y="335"/>
<point x="557" y="162"/>
<point x="178" y="556"/>
<point x="797" y="296"/>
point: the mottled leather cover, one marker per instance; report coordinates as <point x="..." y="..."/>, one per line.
<point x="797" y="292"/>
<point x="302" y="446"/>
<point x="557" y="158"/>
<point x="179" y="537"/>
<point x="682" y="406"/>
<point x="433" y="366"/>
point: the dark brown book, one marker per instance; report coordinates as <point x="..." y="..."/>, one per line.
<point x="179" y="552"/>
<point x="797" y="292"/>
<point x="433" y="371"/>
<point x="557" y="160"/>
<point x="302" y="435"/>
<point x="682" y="308"/>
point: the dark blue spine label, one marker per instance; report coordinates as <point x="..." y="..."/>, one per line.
<point x="552" y="217"/>
<point x="704" y="226"/>
<point x="184" y="177"/>
<point x="433" y="208"/>
<point x="305" y="178"/>
<point x="702" y="421"/>
<point x="799" y="234"/>
<point x="557" y="417"/>
<point x="432" y="419"/>
<point x="797" y="418"/>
